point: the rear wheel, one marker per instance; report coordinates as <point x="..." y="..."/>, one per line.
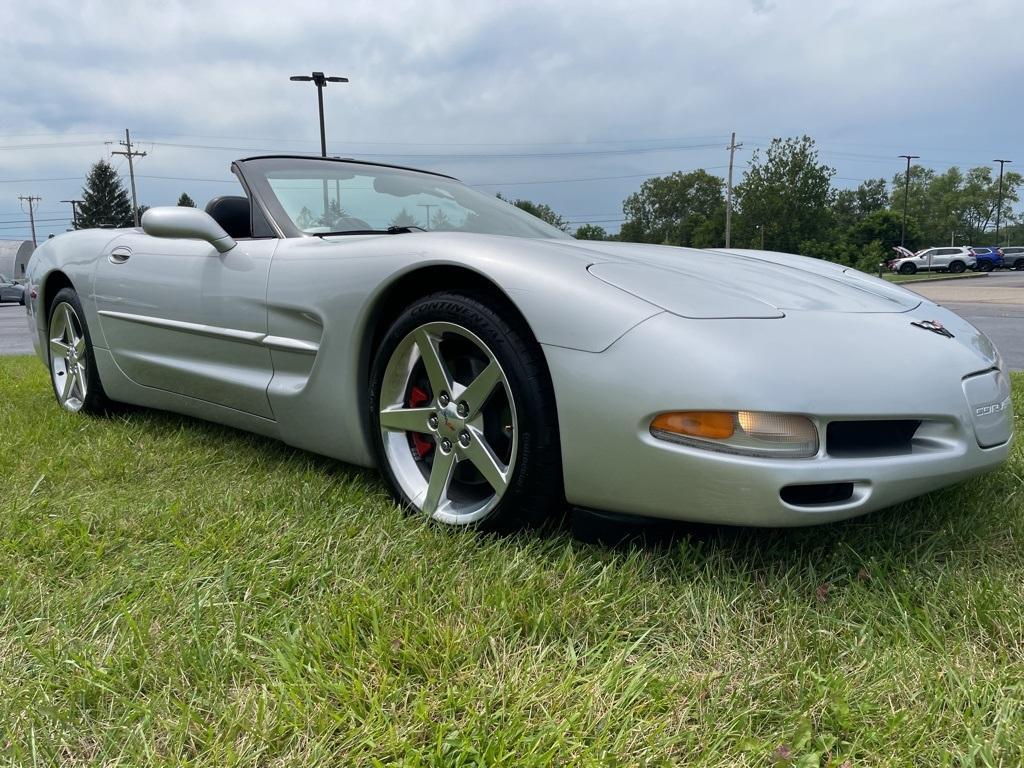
<point x="463" y="416"/>
<point x="73" y="373"/>
<point x="908" y="268"/>
<point x="958" y="267"/>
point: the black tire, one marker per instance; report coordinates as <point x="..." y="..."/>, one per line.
<point x="956" y="267"/>
<point x="908" y="268"/>
<point x="95" y="401"/>
<point x="1018" y="265"/>
<point x="984" y="266"/>
<point x="534" y="494"/>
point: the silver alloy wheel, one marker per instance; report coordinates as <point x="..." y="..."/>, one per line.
<point x="459" y="419"/>
<point x="68" y="357"/>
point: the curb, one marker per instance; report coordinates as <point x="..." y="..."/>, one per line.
<point x="977" y="276"/>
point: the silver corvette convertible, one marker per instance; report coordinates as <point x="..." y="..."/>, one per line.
<point x="495" y="369"/>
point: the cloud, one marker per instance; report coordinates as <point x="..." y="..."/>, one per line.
<point x="869" y="79"/>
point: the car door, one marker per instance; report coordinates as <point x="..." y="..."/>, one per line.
<point x="924" y="259"/>
<point x="179" y="316"/>
<point x="947" y="255"/>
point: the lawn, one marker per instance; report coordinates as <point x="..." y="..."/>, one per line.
<point x="893" y="277"/>
<point x="176" y="592"/>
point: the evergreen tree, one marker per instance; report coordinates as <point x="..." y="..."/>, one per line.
<point x="104" y="200"/>
<point x="440" y="222"/>
<point x="404" y="219"/>
<point x="185" y="201"/>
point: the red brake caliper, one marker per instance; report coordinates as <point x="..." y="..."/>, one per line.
<point x="417" y="398"/>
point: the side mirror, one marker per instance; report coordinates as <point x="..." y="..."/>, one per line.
<point x="187" y="223"/>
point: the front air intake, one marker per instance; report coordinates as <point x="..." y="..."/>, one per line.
<point x="816" y="494"/>
<point x="889" y="437"/>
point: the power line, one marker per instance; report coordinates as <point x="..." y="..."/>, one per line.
<point x="460" y="155"/>
<point x="588" y="178"/>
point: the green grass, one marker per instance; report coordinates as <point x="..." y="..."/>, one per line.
<point x="893" y="277"/>
<point x="178" y="593"/>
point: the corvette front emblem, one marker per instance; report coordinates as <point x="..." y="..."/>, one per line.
<point x="934" y="326"/>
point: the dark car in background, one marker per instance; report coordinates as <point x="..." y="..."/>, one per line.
<point x="11" y="291"/>
<point x="988" y="257"/>
<point x="1013" y="257"/>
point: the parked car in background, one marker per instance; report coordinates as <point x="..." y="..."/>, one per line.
<point x="948" y="259"/>
<point x="1013" y="257"/>
<point x="988" y="257"/>
<point x="11" y="291"/>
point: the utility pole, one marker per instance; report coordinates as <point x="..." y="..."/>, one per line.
<point x="428" y="206"/>
<point x="733" y="146"/>
<point x="31" y="200"/>
<point x="74" y="211"/>
<point x="129" y="153"/>
<point x="906" y="196"/>
<point x="999" y="205"/>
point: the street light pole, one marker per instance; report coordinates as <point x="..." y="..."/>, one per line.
<point x="906" y="195"/>
<point x="999" y="205"/>
<point x="320" y="80"/>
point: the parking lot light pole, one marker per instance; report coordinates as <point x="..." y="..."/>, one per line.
<point x="906" y="196"/>
<point x="320" y="80"/>
<point x="999" y="204"/>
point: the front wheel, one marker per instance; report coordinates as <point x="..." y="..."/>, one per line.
<point x="1018" y="265"/>
<point x="73" y="372"/>
<point x="908" y="268"/>
<point x="984" y="266"/>
<point x="463" y="415"/>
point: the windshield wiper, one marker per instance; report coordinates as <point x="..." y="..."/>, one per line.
<point x="388" y="231"/>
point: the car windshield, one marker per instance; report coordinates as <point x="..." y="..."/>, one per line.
<point x="321" y="197"/>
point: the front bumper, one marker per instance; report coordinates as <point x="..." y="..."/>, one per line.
<point x="812" y="364"/>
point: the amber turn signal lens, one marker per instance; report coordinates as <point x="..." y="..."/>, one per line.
<point x="713" y="425"/>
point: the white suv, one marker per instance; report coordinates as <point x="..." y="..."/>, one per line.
<point x="949" y="259"/>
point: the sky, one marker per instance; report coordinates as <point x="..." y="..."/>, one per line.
<point x="568" y="103"/>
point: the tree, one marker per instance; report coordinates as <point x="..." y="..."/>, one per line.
<point x="541" y="211"/>
<point x="590" y="232"/>
<point x="885" y="227"/>
<point x="787" y="192"/>
<point x="440" y="222"/>
<point x="678" y="209"/>
<point x="185" y="201"/>
<point x="849" y="206"/>
<point x="955" y="205"/>
<point x="404" y="219"/>
<point x="104" y="200"/>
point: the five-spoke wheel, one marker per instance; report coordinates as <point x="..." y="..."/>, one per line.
<point x="454" y="394"/>
<point x="72" y="370"/>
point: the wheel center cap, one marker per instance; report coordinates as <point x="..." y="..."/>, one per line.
<point x="449" y="420"/>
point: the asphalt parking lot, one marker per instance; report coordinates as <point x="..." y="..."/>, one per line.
<point x="995" y="304"/>
<point x="14" y="338"/>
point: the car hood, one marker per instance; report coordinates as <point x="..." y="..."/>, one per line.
<point x="739" y="283"/>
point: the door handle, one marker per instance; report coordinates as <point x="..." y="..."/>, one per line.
<point x="120" y="255"/>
